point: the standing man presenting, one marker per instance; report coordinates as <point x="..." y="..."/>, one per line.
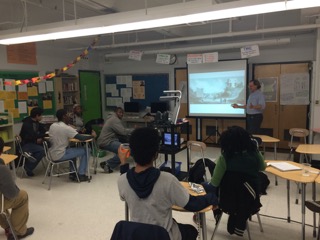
<point x="112" y="135"/>
<point x="254" y="107"/>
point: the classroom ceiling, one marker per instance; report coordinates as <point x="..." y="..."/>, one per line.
<point x="21" y="14"/>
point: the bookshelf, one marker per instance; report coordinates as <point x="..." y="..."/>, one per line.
<point x="6" y="131"/>
<point x="66" y="92"/>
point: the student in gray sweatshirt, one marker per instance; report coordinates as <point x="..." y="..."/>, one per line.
<point x="14" y="199"/>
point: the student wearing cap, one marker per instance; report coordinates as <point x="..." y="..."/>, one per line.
<point x="76" y="119"/>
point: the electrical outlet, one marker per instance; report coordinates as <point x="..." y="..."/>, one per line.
<point x="317" y="102"/>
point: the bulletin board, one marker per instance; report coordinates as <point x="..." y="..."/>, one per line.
<point x="141" y="88"/>
<point x="19" y="100"/>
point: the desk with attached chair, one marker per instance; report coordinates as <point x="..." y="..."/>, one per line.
<point x="295" y="176"/>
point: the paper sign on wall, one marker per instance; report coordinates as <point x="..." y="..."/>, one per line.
<point x="163" y="58"/>
<point x="194" y="58"/>
<point x="32" y="91"/>
<point x="250" y="51"/>
<point x="210" y="57"/>
<point x="135" y="55"/>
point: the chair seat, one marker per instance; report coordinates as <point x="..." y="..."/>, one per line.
<point x="313" y="206"/>
<point x="126" y="230"/>
<point x="294" y="144"/>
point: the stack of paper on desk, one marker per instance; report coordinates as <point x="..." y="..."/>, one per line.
<point x="284" y="166"/>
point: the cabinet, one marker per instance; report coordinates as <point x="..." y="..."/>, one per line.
<point x="6" y="131"/>
<point x="277" y="118"/>
<point x="67" y="92"/>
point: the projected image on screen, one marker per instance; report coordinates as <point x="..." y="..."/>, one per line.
<point x="213" y="88"/>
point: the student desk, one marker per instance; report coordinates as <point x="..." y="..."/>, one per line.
<point x="267" y="139"/>
<point x="87" y="142"/>
<point x="297" y="177"/>
<point x="6" y="148"/>
<point x="308" y="149"/>
<point x="201" y="214"/>
<point x="314" y="199"/>
<point x="9" y="159"/>
<point x="136" y="121"/>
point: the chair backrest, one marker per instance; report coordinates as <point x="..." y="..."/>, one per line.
<point x="300" y="133"/>
<point x="196" y="146"/>
<point x="46" y="151"/>
<point x="17" y="139"/>
<point x="126" y="230"/>
<point x="257" y="140"/>
<point x="2" y="204"/>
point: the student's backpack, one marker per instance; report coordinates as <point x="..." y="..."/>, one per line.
<point x="198" y="170"/>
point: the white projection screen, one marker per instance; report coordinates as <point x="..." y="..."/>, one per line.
<point x="214" y="87"/>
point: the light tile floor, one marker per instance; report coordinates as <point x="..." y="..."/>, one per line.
<point x="90" y="210"/>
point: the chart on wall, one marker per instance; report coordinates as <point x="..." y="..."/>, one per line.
<point x="294" y="89"/>
<point x="269" y="88"/>
<point x="141" y="88"/>
<point x="20" y="99"/>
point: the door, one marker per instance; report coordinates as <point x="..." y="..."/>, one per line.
<point x="90" y="94"/>
<point x="278" y="119"/>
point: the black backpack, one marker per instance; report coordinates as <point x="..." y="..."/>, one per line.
<point x="197" y="171"/>
<point x="264" y="183"/>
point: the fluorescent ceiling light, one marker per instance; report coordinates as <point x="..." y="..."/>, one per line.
<point x="184" y="13"/>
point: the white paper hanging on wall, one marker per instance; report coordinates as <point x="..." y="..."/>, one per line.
<point x="250" y="51"/>
<point x="294" y="89"/>
<point x="135" y="55"/>
<point x="210" y="57"/>
<point x="163" y="58"/>
<point x="194" y="58"/>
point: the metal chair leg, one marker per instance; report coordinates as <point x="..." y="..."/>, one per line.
<point x="259" y="220"/>
<point x="216" y="227"/>
<point x="11" y="227"/>
<point x="248" y="230"/>
<point x="318" y="237"/>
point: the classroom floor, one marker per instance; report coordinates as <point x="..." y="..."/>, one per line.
<point x="91" y="210"/>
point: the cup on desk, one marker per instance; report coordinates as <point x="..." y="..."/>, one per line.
<point x="306" y="169"/>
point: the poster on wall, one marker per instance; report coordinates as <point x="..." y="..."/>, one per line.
<point x="269" y="88"/>
<point x="138" y="88"/>
<point x="294" y="89"/>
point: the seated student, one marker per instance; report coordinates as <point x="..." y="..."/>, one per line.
<point x="239" y="154"/>
<point x="111" y="136"/>
<point x="15" y="199"/>
<point x="32" y="134"/>
<point x="75" y="118"/>
<point x="59" y="135"/>
<point x="150" y="194"/>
